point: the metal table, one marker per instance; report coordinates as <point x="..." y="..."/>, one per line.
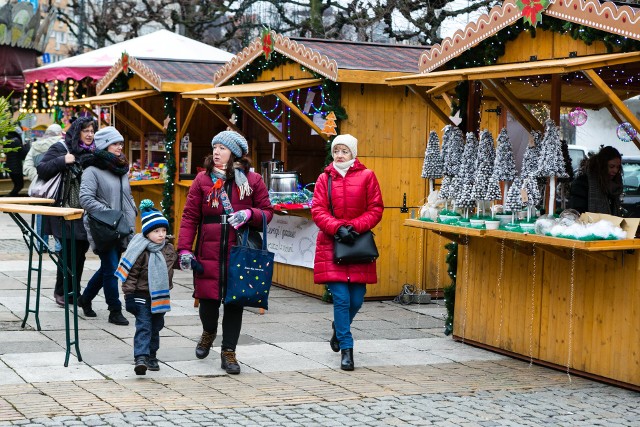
<point x="15" y="206"/>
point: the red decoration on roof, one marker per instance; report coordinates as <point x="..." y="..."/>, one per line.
<point x="532" y="10"/>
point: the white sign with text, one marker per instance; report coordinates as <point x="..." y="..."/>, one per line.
<point x="293" y="240"/>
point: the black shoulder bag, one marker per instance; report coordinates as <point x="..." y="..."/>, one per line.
<point x="362" y="251"/>
<point x="108" y="226"/>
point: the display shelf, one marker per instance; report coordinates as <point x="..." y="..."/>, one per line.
<point x="138" y="182"/>
<point x="589" y="246"/>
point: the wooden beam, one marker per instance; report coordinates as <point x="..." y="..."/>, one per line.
<point x="187" y="120"/>
<point x="221" y="116"/>
<point x="620" y="120"/>
<point x="441" y="114"/>
<point x="120" y="117"/>
<point x="441" y="88"/>
<point x="614" y="100"/>
<point x="260" y="119"/>
<point x="525" y="249"/>
<point x="601" y="256"/>
<point x="556" y="98"/>
<point x="300" y="114"/>
<point x="518" y="110"/>
<point x="447" y="99"/>
<point x="147" y="115"/>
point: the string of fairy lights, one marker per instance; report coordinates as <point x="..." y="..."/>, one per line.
<point x="47" y="97"/>
<point x="294" y="98"/>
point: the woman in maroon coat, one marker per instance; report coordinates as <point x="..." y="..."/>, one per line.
<point x="357" y="207"/>
<point x="226" y="191"/>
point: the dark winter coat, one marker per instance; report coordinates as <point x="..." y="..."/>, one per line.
<point x="51" y="163"/>
<point x="586" y="196"/>
<point x="207" y="252"/>
<point x="357" y="201"/>
<point x="137" y="282"/>
<point x="101" y="189"/>
<point x="15" y="158"/>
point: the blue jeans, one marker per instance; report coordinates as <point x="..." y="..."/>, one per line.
<point x="39" y="230"/>
<point x="146" y="341"/>
<point x="104" y="279"/>
<point x="347" y="300"/>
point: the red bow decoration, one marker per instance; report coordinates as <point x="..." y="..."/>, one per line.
<point x="125" y="62"/>
<point x="267" y="43"/>
<point x="532" y="10"/>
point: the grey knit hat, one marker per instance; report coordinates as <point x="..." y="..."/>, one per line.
<point x="107" y="136"/>
<point x="233" y="141"/>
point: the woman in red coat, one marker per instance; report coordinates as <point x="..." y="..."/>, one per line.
<point x="225" y="192"/>
<point x="357" y="207"/>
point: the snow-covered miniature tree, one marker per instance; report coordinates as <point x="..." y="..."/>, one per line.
<point x="452" y="148"/>
<point x="463" y="184"/>
<point x="493" y="191"/>
<point x="551" y="160"/>
<point x="531" y="155"/>
<point x="483" y="168"/>
<point x="433" y="164"/>
<point x="532" y="190"/>
<point x="504" y="166"/>
<point x="514" y="201"/>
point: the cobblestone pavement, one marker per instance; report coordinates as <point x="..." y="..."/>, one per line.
<point x="407" y="371"/>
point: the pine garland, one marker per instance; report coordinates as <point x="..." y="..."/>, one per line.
<point x="170" y="139"/>
<point x="450" y="291"/>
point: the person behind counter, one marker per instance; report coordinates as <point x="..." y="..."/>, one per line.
<point x="67" y="157"/>
<point x="105" y="185"/>
<point x="598" y="186"/>
<point x="226" y="189"/>
<point x="357" y="205"/>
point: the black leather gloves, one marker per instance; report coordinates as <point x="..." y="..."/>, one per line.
<point x="346" y="234"/>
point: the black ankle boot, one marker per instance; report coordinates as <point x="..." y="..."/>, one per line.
<point x="205" y="343"/>
<point x="347" y="360"/>
<point x="116" y="317"/>
<point x="334" y="343"/>
<point x="229" y="362"/>
<point x="86" y="307"/>
<point x="141" y="365"/>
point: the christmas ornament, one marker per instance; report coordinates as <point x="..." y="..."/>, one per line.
<point x="626" y="132"/>
<point x="532" y="10"/>
<point x="578" y="116"/>
<point x="267" y="43"/>
<point x="330" y="124"/>
<point x="125" y="62"/>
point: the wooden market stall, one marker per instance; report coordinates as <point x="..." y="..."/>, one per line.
<point x="287" y="97"/>
<point x="564" y="303"/>
<point x="140" y="97"/>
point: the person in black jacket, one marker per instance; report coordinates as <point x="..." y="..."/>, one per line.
<point x="14" y="160"/>
<point x="598" y="186"/>
<point x="68" y="157"/>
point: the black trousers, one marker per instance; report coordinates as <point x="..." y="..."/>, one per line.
<point x="231" y="321"/>
<point x="18" y="183"/>
<point x="82" y="246"/>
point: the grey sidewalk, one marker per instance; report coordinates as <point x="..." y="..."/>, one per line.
<point x="407" y="371"/>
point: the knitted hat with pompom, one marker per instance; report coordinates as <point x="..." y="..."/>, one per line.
<point x="151" y="217"/>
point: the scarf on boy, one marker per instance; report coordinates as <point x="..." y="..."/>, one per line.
<point x="158" y="273"/>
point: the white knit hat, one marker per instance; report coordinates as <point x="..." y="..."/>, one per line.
<point x="349" y="141"/>
<point x="107" y="136"/>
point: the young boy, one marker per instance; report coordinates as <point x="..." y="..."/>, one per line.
<point x="146" y="272"/>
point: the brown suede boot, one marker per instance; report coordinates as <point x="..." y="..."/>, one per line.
<point x="204" y="345"/>
<point x="229" y="362"/>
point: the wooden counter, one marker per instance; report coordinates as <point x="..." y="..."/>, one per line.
<point x="568" y="304"/>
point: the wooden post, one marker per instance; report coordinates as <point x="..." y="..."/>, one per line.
<point x="556" y="97"/>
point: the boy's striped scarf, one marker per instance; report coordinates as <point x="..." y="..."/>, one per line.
<point x="157" y="268"/>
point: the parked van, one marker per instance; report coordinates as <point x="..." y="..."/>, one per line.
<point x="577" y="154"/>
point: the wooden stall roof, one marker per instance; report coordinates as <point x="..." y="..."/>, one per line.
<point x="606" y="16"/>
<point x="587" y="96"/>
<point x="340" y="61"/>
<point x="112" y="98"/>
<point x="164" y="75"/>
<point x="252" y="89"/>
